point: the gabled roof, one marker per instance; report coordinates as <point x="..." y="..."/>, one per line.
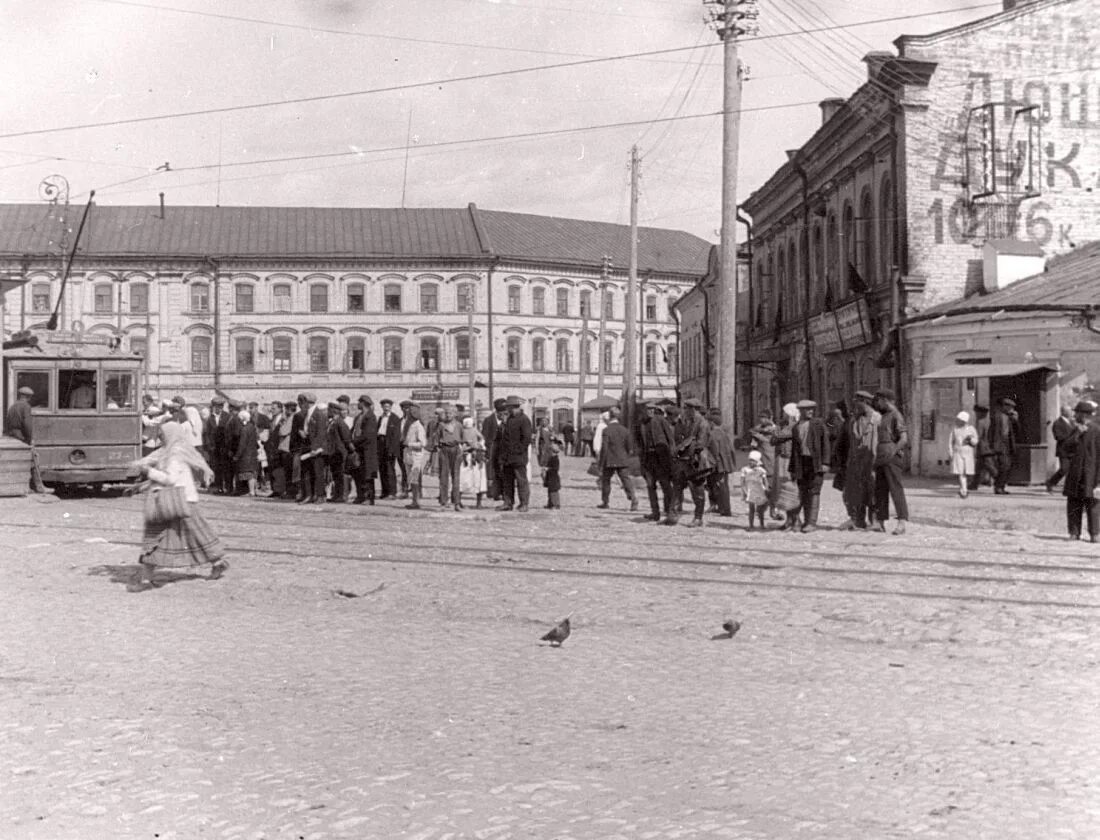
<point x="1069" y="281"/>
<point x="333" y="232"/>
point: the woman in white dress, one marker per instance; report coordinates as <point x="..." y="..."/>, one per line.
<point x="960" y="449"/>
<point x="471" y="476"/>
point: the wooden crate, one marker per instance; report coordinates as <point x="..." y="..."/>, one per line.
<point x="15" y="467"/>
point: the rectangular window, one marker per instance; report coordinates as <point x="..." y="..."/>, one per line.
<point x="538" y="354"/>
<point x="103" y="298"/>
<point x="139" y="297"/>
<point x="392" y="298"/>
<point x="280" y="298"/>
<point x="609" y="305"/>
<point x="200" y="297"/>
<point x="357" y="355"/>
<point x="244" y="297"/>
<point x="39" y="382"/>
<point x="513" y="300"/>
<point x="513" y="354"/>
<point x="200" y="354"/>
<point x="462" y="352"/>
<point x="561" y="353"/>
<point x="318" y="298"/>
<point x="391" y="352"/>
<point x="586" y="304"/>
<point x="465" y="298"/>
<point x="429" y="298"/>
<point x="651" y="308"/>
<point x="76" y="388"/>
<point x="119" y="390"/>
<point x="280" y="353"/>
<point x="562" y="297"/>
<point x="651" y="358"/>
<point x="139" y="345"/>
<point x="538" y="301"/>
<point x="40" y="297"/>
<point x="318" y="353"/>
<point x="607" y="356"/>
<point x="357" y="300"/>
<point x="429" y="354"/>
<point x="245" y="354"/>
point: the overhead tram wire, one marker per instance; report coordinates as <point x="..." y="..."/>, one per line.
<point x="453" y="80"/>
<point x="679" y="78"/>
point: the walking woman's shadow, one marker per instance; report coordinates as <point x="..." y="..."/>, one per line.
<point x="130" y="575"/>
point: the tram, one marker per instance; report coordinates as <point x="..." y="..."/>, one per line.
<point x="86" y="405"/>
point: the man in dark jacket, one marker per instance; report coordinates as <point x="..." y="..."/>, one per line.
<point x="490" y="430"/>
<point x="1065" y="432"/>
<point x="809" y="459"/>
<point x="893" y="439"/>
<point x="615" y="457"/>
<point x="515" y="443"/>
<point x="721" y="449"/>
<point x="1002" y="441"/>
<point x="1083" y="476"/>
<point x="691" y="436"/>
<point x="317" y="449"/>
<point x="655" y="434"/>
<point x="364" y="440"/>
<point x="339" y="447"/>
<point x="389" y="448"/>
<point x="216" y="445"/>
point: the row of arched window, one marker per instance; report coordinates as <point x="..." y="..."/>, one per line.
<point x="848" y="254"/>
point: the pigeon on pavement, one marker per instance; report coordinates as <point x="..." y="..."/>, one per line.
<point x="731" y="627"/>
<point x="558" y="635"/>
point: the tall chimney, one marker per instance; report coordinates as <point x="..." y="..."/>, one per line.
<point x="874" y="61"/>
<point x="829" y="107"/>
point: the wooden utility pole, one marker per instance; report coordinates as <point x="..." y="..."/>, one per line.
<point x="735" y="19"/>
<point x="630" y="329"/>
<point x="603" y="325"/>
<point x="583" y="356"/>
<point x="470" y="352"/>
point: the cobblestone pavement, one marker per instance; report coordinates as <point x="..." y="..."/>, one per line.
<point x="943" y="684"/>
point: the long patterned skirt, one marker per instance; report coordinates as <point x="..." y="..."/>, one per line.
<point x="188" y="541"/>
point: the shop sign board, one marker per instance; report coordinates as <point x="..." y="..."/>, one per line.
<point x="845" y="327"/>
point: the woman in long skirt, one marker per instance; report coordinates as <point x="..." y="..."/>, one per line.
<point x="471" y="476"/>
<point x="186" y="540"/>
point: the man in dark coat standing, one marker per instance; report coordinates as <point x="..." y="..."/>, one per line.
<point x="317" y="450"/>
<point x="1002" y="441"/>
<point x="691" y="435"/>
<point x="809" y="460"/>
<point x="616" y="454"/>
<point x="364" y="439"/>
<point x="1083" y="476"/>
<point x="389" y="448"/>
<point x="490" y="430"/>
<point x="721" y="449"/>
<point x="655" y="434"/>
<point x="1065" y="432"/>
<point x="893" y="439"/>
<point x="216" y="445"/>
<point x="515" y="445"/>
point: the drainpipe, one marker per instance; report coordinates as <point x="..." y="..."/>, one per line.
<point x="805" y="253"/>
<point x="746" y="409"/>
<point x="706" y="335"/>
<point x="215" y="268"/>
<point x="489" y="323"/>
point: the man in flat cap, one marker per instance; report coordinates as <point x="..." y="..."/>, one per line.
<point x="893" y="440"/>
<point x="854" y="458"/>
<point x="691" y="436"/>
<point x="655" y="439"/>
<point x="1002" y="441"/>
<point x="810" y="456"/>
<point x="408" y="417"/>
<point x="364" y="439"/>
<point x="215" y="444"/>
<point x="1083" y="477"/>
<point x="19" y="424"/>
<point x="515" y="446"/>
<point x="318" y="449"/>
<point x="389" y="448"/>
<point x="490" y="430"/>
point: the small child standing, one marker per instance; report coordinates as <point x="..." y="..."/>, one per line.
<point x="754" y="488"/>
<point x="551" y="478"/>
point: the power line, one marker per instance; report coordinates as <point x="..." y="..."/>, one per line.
<point x="473" y="77"/>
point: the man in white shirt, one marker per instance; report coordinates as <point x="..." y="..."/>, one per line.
<point x="389" y="448"/>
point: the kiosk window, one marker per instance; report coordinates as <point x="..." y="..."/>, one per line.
<point x="39" y="382"/>
<point x="76" y="388"/>
<point x="119" y="389"/>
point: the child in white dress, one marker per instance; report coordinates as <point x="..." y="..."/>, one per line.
<point x="754" y="488"/>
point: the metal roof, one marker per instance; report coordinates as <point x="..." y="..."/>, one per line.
<point x="1069" y="280"/>
<point x="330" y="232"/>
<point x="983" y="371"/>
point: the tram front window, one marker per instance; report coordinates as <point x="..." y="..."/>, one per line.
<point x="119" y="388"/>
<point x="39" y="382"/>
<point x="76" y="388"/>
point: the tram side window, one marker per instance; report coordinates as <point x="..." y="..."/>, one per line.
<point x="76" y="388"/>
<point x="119" y="389"/>
<point x="39" y="382"/>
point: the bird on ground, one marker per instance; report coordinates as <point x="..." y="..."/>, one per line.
<point x="559" y="634"/>
<point x="731" y="627"/>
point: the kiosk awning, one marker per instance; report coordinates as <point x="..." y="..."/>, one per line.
<point x="983" y="371"/>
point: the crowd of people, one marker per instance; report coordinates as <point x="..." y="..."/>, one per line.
<point x="315" y="453"/>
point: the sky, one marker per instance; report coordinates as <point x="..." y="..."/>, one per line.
<point x="418" y="104"/>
